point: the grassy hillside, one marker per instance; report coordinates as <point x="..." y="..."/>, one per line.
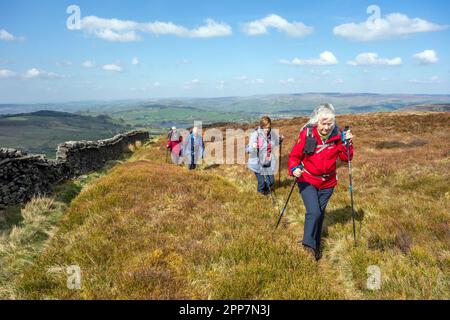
<point x="151" y="230"/>
<point x="42" y="131"/>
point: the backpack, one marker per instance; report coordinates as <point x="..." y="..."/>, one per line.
<point x="311" y="142"/>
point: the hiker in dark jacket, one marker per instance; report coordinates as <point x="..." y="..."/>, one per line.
<point x="193" y="149"/>
<point x="174" y="145"/>
<point x="315" y="171"/>
<point x="262" y="160"/>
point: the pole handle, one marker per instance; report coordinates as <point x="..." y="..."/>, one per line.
<point x="343" y="134"/>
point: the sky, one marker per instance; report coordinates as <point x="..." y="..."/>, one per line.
<point x="59" y="51"/>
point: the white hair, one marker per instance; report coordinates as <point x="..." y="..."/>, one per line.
<point x="325" y="110"/>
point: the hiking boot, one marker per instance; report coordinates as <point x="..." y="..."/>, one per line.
<point x="310" y="250"/>
<point x="318" y="254"/>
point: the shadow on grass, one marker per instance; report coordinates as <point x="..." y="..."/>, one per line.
<point x="67" y="191"/>
<point x="9" y="217"/>
<point x="211" y="166"/>
<point x="12" y="215"/>
<point x="342" y="216"/>
<point x="285" y="182"/>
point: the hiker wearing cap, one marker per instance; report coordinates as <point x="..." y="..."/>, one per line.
<point x="174" y="145"/>
<point x="193" y="148"/>
<point x="262" y="160"/>
<point x="313" y="162"/>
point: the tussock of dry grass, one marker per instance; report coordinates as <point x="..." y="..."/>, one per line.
<point x="20" y="245"/>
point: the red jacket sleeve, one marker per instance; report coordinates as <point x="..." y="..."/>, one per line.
<point x="296" y="155"/>
<point x="343" y="151"/>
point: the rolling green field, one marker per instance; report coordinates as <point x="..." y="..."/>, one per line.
<point x="156" y="116"/>
<point x="42" y="131"/>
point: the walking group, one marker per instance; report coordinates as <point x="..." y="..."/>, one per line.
<point x="188" y="151"/>
<point x="312" y="162"/>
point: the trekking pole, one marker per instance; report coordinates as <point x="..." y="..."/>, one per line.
<point x="350" y="179"/>
<point x="279" y="167"/>
<point x="287" y="201"/>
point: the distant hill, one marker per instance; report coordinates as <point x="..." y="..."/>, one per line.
<point x="163" y="113"/>
<point x="41" y="131"/>
<point x="438" y="107"/>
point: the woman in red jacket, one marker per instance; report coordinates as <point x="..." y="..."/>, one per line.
<point x="313" y="162"/>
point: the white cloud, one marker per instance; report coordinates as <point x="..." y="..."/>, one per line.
<point x="156" y="84"/>
<point x="242" y="77"/>
<point x="164" y="28"/>
<point x="110" y="29"/>
<point x="426" y="57"/>
<point x="371" y="58"/>
<point x="287" y="81"/>
<point x="113" y="36"/>
<point x="32" y="73"/>
<point x="325" y="58"/>
<point x="211" y="29"/>
<point x="135" y="61"/>
<point x="260" y="27"/>
<point x="258" y="81"/>
<point x="127" y="30"/>
<point x="4" y="73"/>
<point x="431" y="80"/>
<point x="112" y="67"/>
<point x="88" y="64"/>
<point x="36" y="73"/>
<point x="391" y="26"/>
<point x="189" y="84"/>
<point x="6" y="36"/>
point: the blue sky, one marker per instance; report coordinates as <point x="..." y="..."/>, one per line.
<point x="157" y="49"/>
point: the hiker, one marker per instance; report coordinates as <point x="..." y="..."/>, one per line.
<point x="193" y="148"/>
<point x="313" y="162"/>
<point x="262" y="160"/>
<point x="174" y="145"/>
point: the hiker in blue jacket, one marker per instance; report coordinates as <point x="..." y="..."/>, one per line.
<point x="262" y="160"/>
<point x="193" y="149"/>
